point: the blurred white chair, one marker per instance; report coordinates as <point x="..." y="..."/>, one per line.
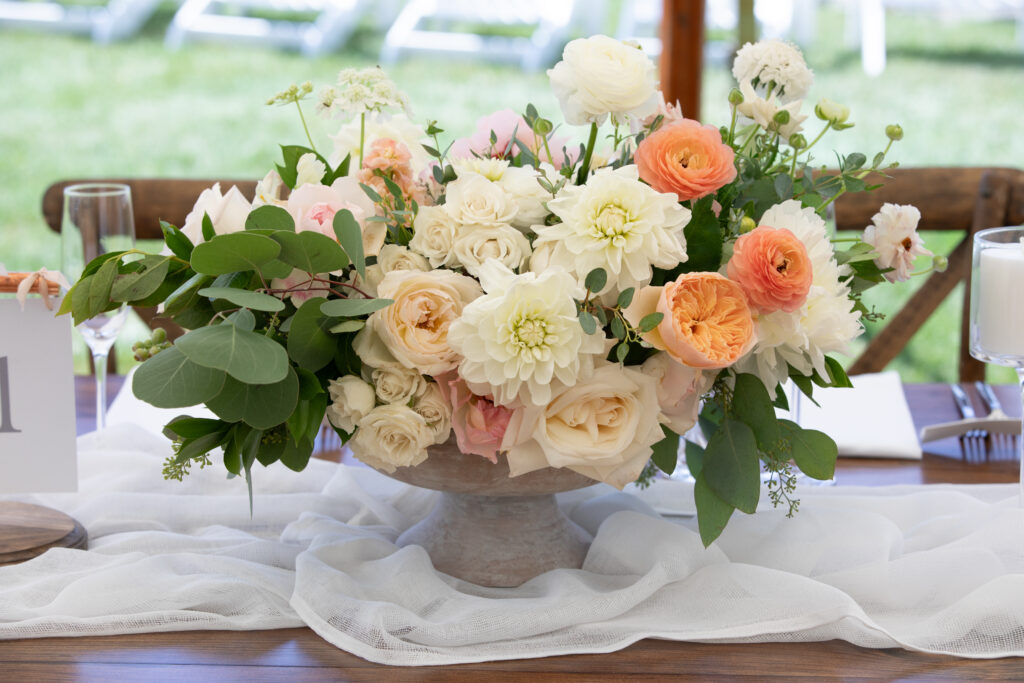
<point x="106" y="22"/>
<point x="313" y="27"/>
<point x="487" y="29"/>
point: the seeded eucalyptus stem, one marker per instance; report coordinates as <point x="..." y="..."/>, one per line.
<point x="585" y="166"/>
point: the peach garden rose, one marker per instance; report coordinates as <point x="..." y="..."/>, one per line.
<point x="687" y="159"/>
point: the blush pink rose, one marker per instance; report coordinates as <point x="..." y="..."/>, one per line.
<point x="313" y="206"/>
<point x="479" y="425"/>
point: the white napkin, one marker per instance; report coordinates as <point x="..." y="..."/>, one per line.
<point x="871" y="420"/>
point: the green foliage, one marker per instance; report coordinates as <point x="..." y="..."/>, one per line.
<point x="269" y="217"/>
<point x="350" y="237"/>
<point x="310" y="342"/>
<point x="347" y="308"/>
<point x="731" y="465"/>
<point x="170" y="380"/>
<point x="310" y="251"/>
<point x="245" y="355"/>
<point x="243" y="297"/>
<point x="666" y="452"/>
<point x="258" y="405"/>
<point x="703" y="239"/>
<point x="233" y="252"/>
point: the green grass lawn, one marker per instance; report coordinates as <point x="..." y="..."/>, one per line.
<point x="69" y="108"/>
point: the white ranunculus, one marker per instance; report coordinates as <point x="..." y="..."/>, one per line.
<point x="475" y="200"/>
<point x="680" y="388"/>
<point x="397" y="127"/>
<point x="603" y="428"/>
<point x="351" y="400"/>
<point x="893" y="234"/>
<point x="602" y="76"/>
<point x="309" y="170"/>
<point x="392" y="436"/>
<point x="475" y="244"/>
<point x="415" y="327"/>
<point x="434" y="236"/>
<point x="827" y="110"/>
<point x="529" y="197"/>
<point x="436" y="410"/>
<point x="762" y="111"/>
<point x="227" y="213"/>
<point x="777" y="66"/>
<point x="617" y="223"/>
<point x="522" y="337"/>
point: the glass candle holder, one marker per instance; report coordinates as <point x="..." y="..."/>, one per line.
<point x="997" y="305"/>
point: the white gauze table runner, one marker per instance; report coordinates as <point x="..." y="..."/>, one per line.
<point x="938" y="568"/>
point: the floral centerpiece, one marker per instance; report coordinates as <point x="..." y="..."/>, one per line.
<point x="560" y="305"/>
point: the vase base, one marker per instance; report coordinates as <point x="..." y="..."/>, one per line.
<point x="498" y="541"/>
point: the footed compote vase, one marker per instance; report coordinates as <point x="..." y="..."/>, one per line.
<point x="491" y="529"/>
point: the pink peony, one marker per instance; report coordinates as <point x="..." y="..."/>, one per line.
<point x="479" y="425"/>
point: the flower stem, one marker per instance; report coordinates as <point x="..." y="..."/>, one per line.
<point x="732" y="127"/>
<point x="820" y="135"/>
<point x="581" y="177"/>
<point x="304" y="126"/>
<point x="362" y="136"/>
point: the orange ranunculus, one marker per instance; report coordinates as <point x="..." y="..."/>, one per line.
<point x="707" y="321"/>
<point x="685" y="158"/>
<point x="772" y="267"/>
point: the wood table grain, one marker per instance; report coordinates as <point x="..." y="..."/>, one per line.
<point x="300" y="655"/>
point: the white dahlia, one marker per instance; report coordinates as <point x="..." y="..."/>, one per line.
<point x="522" y="336"/>
<point x="617" y="223"/>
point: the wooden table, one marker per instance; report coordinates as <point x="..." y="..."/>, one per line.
<point x="300" y="655"/>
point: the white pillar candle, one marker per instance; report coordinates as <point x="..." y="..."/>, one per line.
<point x="1001" y="301"/>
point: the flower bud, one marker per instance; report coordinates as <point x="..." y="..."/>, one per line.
<point x="747" y="224"/>
<point x="735" y="97"/>
<point x="894" y="132"/>
<point x="827" y="110"/>
<point x="940" y="263"/>
<point x="797" y="141"/>
<point x="781" y="117"/>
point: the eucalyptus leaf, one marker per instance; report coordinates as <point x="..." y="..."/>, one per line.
<point x="237" y="251"/>
<point x="99" y="288"/>
<point x="814" y="452"/>
<point x="650" y="321"/>
<point x="731" y="465"/>
<point x="350" y="237"/>
<point x="310" y="343"/>
<point x="349" y="308"/>
<point x="713" y="512"/>
<point x="188" y="427"/>
<point x="243" y="297"/>
<point x="246" y="356"/>
<point x="752" y="404"/>
<point x="170" y="380"/>
<point x="665" y="453"/>
<point x="143" y="282"/>
<point x="625" y="297"/>
<point x="310" y="251"/>
<point x="269" y="217"/>
<point x="177" y="241"/>
<point x="596" y="280"/>
<point x="587" y="322"/>
<point x="347" y="326"/>
<point x="258" y="405"/>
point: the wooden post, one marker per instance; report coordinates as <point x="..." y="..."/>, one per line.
<point x="682" y="53"/>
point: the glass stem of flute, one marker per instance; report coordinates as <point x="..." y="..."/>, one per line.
<point x="99" y="361"/>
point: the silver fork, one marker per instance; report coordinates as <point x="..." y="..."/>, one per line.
<point x="974" y="441"/>
<point x="995" y="410"/>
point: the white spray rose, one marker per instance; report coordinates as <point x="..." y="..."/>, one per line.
<point x="602" y="76"/>
<point x="351" y="400"/>
<point x="475" y="200"/>
<point x="393" y="257"/>
<point x="392" y="436"/>
<point x="436" y="410"/>
<point x="475" y="244"/>
<point x="526" y="193"/>
<point x="434" y="236"/>
<point x="395" y="383"/>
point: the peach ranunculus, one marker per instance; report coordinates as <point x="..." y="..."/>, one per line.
<point x="772" y="267"/>
<point x="707" y="321"/>
<point x="313" y="207"/>
<point x="478" y="423"/>
<point x="415" y="327"/>
<point x="686" y="158"/>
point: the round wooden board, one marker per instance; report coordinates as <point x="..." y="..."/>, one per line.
<point x="30" y="530"/>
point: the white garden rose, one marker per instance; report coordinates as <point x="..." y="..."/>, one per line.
<point x="227" y="213"/>
<point x="475" y="200"/>
<point x="436" y="411"/>
<point x="617" y="223"/>
<point x="395" y="383"/>
<point x="393" y="257"/>
<point x="351" y="400"/>
<point x="522" y="338"/>
<point x="415" y="327"/>
<point x="475" y="244"/>
<point x="434" y="236"/>
<point x="392" y="436"/>
<point x="602" y="76"/>
<point x="603" y="428"/>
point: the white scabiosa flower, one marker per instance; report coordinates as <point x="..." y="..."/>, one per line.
<point x="825" y="324"/>
<point x="893" y="234"/>
<point x="617" y="223"/>
<point x="775" y="67"/>
<point x="602" y="76"/>
<point x="522" y="336"/>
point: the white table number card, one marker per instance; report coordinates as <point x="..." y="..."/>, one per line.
<point x="37" y="400"/>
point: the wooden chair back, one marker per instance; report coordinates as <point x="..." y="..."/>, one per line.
<point x="961" y="199"/>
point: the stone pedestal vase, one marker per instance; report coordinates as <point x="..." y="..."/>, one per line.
<point x="490" y="529"/>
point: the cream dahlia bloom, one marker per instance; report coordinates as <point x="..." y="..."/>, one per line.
<point x="522" y="337"/>
<point x="893" y="234"/>
<point x="603" y="427"/>
<point x="602" y="76"/>
<point x="777" y="66"/>
<point x="617" y="223"/>
<point x="825" y="324"/>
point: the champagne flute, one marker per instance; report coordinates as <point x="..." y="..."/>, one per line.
<point x="997" y="304"/>
<point x="97" y="220"/>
